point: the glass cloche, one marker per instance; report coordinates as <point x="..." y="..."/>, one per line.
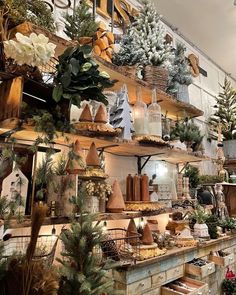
<point x="140" y="115"/>
<point x="154" y="116"/>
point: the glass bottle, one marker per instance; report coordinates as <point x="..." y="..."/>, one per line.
<point x="140" y="115"/>
<point x="154" y="116"/>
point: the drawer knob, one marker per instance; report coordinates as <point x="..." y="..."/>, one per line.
<point x="177" y="270"/>
<point x="199" y="293"/>
<point x="142" y="285"/>
<point x="210" y="268"/>
<point x="230" y="258"/>
<point x="161" y="277"/>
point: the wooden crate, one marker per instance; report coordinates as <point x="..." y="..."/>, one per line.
<point x="200" y="288"/>
<point x="200" y="271"/>
<point x="16" y="91"/>
<point x="223" y="261"/>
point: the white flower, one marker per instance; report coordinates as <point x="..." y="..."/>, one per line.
<point x="33" y="50"/>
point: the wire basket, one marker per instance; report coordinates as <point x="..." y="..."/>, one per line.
<point x="45" y="248"/>
<point x="120" y="247"/>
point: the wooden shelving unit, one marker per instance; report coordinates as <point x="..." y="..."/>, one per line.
<point x="173" y="156"/>
<point x="175" y="108"/>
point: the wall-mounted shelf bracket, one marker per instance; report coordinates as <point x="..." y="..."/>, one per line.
<point x="146" y="158"/>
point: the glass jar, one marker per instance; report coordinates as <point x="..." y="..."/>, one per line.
<point x="140" y="115"/>
<point x="154" y="117"/>
<point x="166" y="129"/>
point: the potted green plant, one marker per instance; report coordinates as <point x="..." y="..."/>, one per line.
<point x="78" y="77"/>
<point x="200" y="227"/>
<point x="225" y="119"/>
<point x="229" y="286"/>
<point x="212" y="222"/>
<point x="228" y="224"/>
<point x="193" y="174"/>
<point x="189" y="133"/>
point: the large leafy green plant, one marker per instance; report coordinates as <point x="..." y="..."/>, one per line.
<point x="225" y="114"/>
<point x="79" y="78"/>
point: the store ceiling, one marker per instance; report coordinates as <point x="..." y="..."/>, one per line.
<point x="209" y="24"/>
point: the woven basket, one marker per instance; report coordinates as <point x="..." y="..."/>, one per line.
<point x="128" y="69"/>
<point x="156" y="77"/>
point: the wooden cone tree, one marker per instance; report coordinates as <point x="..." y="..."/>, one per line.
<point x="132" y="232"/>
<point x="86" y="115"/>
<point x="101" y="115"/>
<point x="147" y="238"/>
<point x="92" y="158"/>
<point x="76" y="162"/>
<point x="116" y="202"/>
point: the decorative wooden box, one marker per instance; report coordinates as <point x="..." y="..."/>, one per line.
<point x="200" y="288"/>
<point x="223" y="261"/>
<point x="200" y="271"/>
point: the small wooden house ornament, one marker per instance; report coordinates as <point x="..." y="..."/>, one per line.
<point x="147" y="238"/>
<point x="77" y="164"/>
<point x="86" y="115"/>
<point x="15" y="188"/>
<point x="116" y="202"/>
<point x="101" y="115"/>
<point x="92" y="158"/>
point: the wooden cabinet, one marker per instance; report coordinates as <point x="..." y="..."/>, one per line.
<point x="223" y="261"/>
<point x="195" y="287"/>
<point x="200" y="271"/>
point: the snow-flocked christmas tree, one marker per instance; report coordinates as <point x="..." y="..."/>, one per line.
<point x="120" y="114"/>
<point x="129" y="53"/>
<point x="179" y="73"/>
<point x="149" y="35"/>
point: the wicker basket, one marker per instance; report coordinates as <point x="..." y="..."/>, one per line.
<point x="156" y="77"/>
<point x="131" y="70"/>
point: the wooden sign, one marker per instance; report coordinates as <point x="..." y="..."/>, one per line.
<point x="15" y="188"/>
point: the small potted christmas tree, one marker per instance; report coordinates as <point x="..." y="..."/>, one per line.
<point x="225" y="119"/>
<point x="179" y="75"/>
<point x="149" y="35"/>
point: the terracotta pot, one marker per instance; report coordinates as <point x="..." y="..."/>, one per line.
<point x="156" y="77"/>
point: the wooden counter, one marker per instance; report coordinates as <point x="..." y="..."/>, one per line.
<point x="147" y="277"/>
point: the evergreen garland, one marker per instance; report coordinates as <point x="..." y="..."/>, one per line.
<point x="225" y="114"/>
<point x="81" y="271"/>
<point x="179" y="73"/>
<point x="81" y="23"/>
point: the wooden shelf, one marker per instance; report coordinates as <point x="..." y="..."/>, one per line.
<point x="14" y="223"/>
<point x="131" y="149"/>
<point x="175" y="108"/>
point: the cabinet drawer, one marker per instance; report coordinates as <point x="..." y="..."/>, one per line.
<point x="224" y="261"/>
<point x="159" y="279"/>
<point x="175" y="273"/>
<point x="200" y="288"/>
<point x="201" y="271"/>
<point x="139" y="287"/>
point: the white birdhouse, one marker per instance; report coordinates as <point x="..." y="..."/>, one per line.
<point x="15" y="188"/>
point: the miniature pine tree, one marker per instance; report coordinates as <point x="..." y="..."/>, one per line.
<point x="179" y="73"/>
<point x="82" y="273"/>
<point x="81" y="23"/>
<point x="149" y="36"/>
<point x="225" y="113"/>
<point x="129" y="53"/>
<point x="121" y="114"/>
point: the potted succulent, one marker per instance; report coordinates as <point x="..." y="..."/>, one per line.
<point x="189" y="133"/>
<point x="200" y="227"/>
<point x="224" y="118"/>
